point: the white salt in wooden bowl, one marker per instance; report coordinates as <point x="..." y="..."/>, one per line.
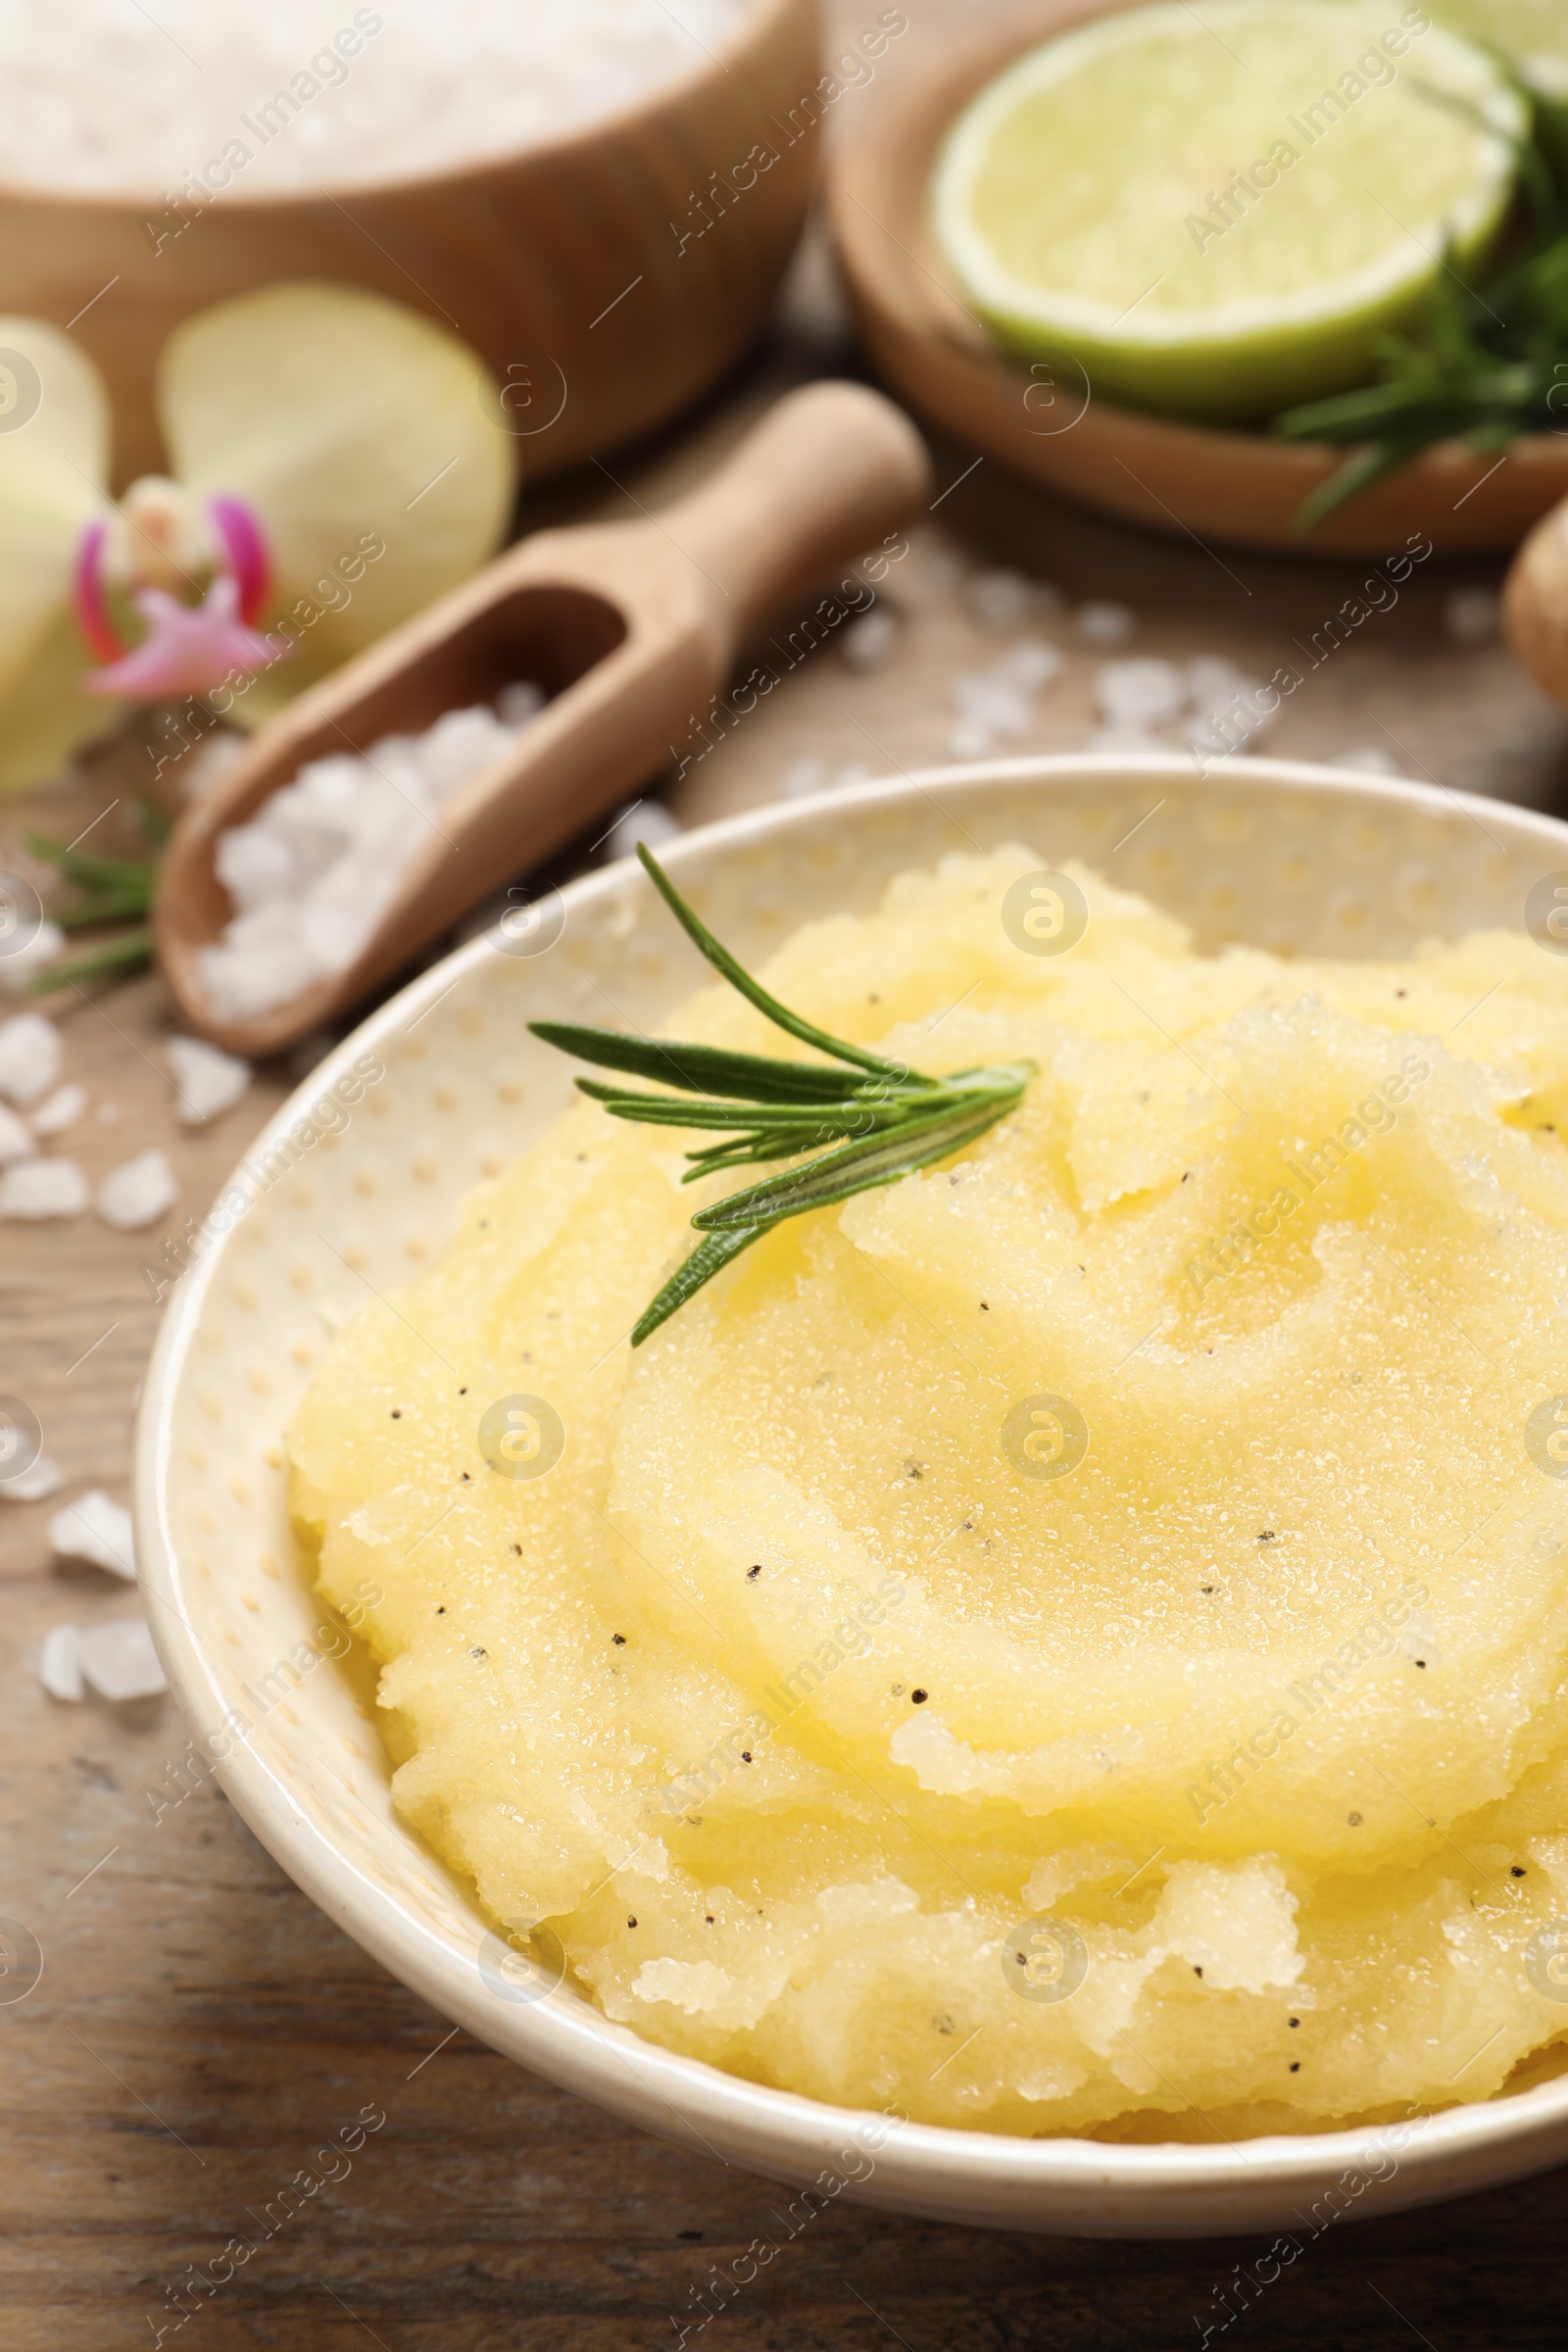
<point x="523" y="255"/>
<point x="1291" y="858"/>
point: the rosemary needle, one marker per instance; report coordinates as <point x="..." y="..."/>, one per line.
<point x="868" y="1122"/>
<point x="1485" y="363"/>
<point x="109" y="890"/>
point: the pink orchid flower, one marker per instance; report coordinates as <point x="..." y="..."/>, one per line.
<point x="187" y="649"/>
<point x="336" y="461"/>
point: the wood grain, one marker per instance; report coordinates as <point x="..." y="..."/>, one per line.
<point x="200" y="2028"/>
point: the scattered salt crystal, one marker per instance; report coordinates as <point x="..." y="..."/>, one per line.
<point x="1006" y="599"/>
<point x="60" y="1667"/>
<point x="208" y="1081"/>
<point x="647" y="822"/>
<point x="1101" y="623"/>
<point x="1029" y="665"/>
<point x="1224" y="699"/>
<point x="139" y="1191"/>
<point x="119" y="1661"/>
<point x="108" y="1114"/>
<point x="1000" y="600"/>
<point x="95" y="1530"/>
<point x="1210" y="677"/>
<point x="19" y="967"/>
<point x="1139" y="694"/>
<point x="40" y="1478"/>
<point x="29" y="1056"/>
<point x="312" y="872"/>
<point x="34" y="1189"/>
<point x="804" y="777"/>
<point x="1368" y="760"/>
<point x="59" y="1111"/>
<point x="868" y="642"/>
<point x="16" y="1138"/>
<point x="1000" y="702"/>
<point x="1473" y="615"/>
<point x="801" y="778"/>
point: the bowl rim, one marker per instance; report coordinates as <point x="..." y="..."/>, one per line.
<point x="1082" y="2186"/>
<point x="757" y="21"/>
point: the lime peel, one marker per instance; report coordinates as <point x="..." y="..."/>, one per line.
<point x="1092" y="204"/>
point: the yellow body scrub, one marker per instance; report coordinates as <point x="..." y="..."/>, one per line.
<point x="1073" y="1640"/>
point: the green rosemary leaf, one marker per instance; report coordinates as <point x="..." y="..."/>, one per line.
<point x="107" y="907"/>
<point x="752" y="1152"/>
<point x="1366" y="414"/>
<point x="137" y="874"/>
<point x="748" y="1077"/>
<point x="771" y="1141"/>
<point x="1372" y="464"/>
<point x="854" y="1168"/>
<point x="154" y="821"/>
<point x="878" y="1120"/>
<point x="126" y="954"/>
<point x="738" y="977"/>
<point x="1488" y="362"/>
<point x="710" y="1257"/>
<point x="746" y="1151"/>
<point x="796" y="1118"/>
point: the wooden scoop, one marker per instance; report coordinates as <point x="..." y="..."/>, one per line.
<point x="630" y="628"/>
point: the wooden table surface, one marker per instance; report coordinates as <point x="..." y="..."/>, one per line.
<point x="199" y="2028"/>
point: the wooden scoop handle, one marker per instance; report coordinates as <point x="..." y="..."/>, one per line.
<point x="832" y="468"/>
<point x="1535" y="603"/>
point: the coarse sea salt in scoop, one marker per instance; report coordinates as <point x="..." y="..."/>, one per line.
<point x="312" y="874"/>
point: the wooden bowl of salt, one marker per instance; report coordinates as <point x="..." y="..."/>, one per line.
<point x="610" y="269"/>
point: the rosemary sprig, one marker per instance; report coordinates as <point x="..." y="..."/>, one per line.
<point x="1489" y="361"/>
<point x="868" y="1120"/>
<point x="109" y="890"/>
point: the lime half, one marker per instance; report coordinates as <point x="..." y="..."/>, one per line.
<point x="1217" y="210"/>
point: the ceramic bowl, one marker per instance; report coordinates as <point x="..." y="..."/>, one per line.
<point x="605" y="280"/>
<point x="1288" y="856"/>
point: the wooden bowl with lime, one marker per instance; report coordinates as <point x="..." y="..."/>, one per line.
<point x="1111" y="248"/>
